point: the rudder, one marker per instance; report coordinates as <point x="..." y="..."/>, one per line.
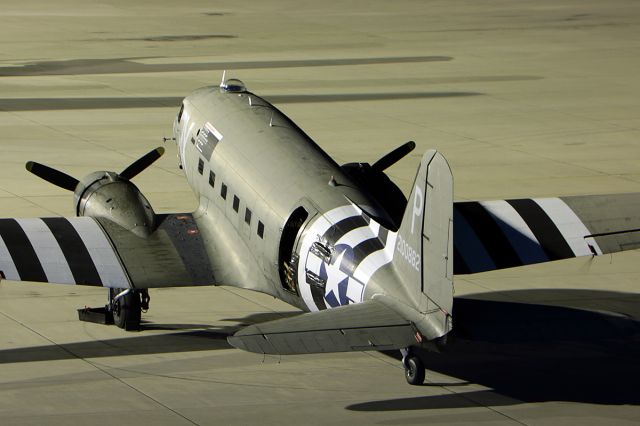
<point x="424" y="248"/>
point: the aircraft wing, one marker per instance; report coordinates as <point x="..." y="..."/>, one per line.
<point x="97" y="252"/>
<point x="501" y="234"/>
<point x="364" y="326"/>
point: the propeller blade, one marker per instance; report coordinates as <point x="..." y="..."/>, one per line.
<point x="394" y="156"/>
<point x="53" y="176"/>
<point x="142" y="163"/>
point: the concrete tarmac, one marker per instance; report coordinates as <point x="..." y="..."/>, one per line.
<point x="524" y="99"/>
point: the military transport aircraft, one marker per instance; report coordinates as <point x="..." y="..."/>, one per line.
<point x="279" y="216"/>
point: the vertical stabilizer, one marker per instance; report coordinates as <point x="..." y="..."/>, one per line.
<point x="424" y="248"/>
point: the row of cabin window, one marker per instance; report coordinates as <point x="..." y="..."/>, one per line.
<point x="236" y="200"/>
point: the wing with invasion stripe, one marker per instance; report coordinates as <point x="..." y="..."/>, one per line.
<point x="89" y="251"/>
<point x="501" y="234"/>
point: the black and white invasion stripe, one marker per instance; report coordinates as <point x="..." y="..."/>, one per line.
<point x="359" y="247"/>
<point x="506" y="233"/>
<point x="59" y="250"/>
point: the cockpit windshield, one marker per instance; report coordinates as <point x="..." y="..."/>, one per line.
<point x="180" y="113"/>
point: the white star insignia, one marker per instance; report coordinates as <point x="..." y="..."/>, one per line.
<point x="334" y="276"/>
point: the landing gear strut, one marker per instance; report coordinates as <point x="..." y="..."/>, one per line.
<point x="413" y="367"/>
<point x="126" y="306"/>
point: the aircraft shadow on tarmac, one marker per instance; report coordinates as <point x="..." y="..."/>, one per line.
<point x="57" y="104"/>
<point x="134" y="65"/>
<point x="184" y="341"/>
<point x="534" y="352"/>
<point x="185" y="338"/>
<point x="562" y="345"/>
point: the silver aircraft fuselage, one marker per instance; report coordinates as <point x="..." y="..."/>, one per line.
<point x="281" y="213"/>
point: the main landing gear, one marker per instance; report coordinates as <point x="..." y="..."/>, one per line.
<point x="413" y="367"/>
<point x="126" y="306"/>
<point x="123" y="309"/>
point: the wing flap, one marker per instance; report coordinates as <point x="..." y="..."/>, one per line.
<point x="174" y="255"/>
<point x="364" y="326"/>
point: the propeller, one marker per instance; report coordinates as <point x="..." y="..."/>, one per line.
<point x="53" y="176"/>
<point x="394" y="156"/>
<point x="69" y="183"/>
<point x="142" y="163"/>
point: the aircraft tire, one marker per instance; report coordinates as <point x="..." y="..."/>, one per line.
<point x="414" y="371"/>
<point x="126" y="312"/>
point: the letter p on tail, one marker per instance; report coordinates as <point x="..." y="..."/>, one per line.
<point x="423" y="256"/>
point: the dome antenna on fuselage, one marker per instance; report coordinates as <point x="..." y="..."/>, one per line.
<point x="232" y="85"/>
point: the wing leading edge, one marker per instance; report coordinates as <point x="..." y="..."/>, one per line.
<point x="491" y="235"/>
<point x="97" y="252"/>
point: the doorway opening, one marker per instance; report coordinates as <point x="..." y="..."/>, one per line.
<point x="287" y="258"/>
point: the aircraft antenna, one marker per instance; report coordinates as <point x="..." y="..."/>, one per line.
<point x="224" y="74"/>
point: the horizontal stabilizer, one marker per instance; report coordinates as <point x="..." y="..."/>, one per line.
<point x="360" y="327"/>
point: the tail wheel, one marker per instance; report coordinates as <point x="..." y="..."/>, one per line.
<point x="126" y="311"/>
<point x="414" y="370"/>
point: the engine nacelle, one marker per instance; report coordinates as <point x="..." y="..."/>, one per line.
<point x="107" y="195"/>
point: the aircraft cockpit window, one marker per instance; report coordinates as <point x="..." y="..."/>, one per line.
<point x="180" y="113"/>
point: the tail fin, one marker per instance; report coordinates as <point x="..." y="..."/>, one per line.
<point x="423" y="257"/>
